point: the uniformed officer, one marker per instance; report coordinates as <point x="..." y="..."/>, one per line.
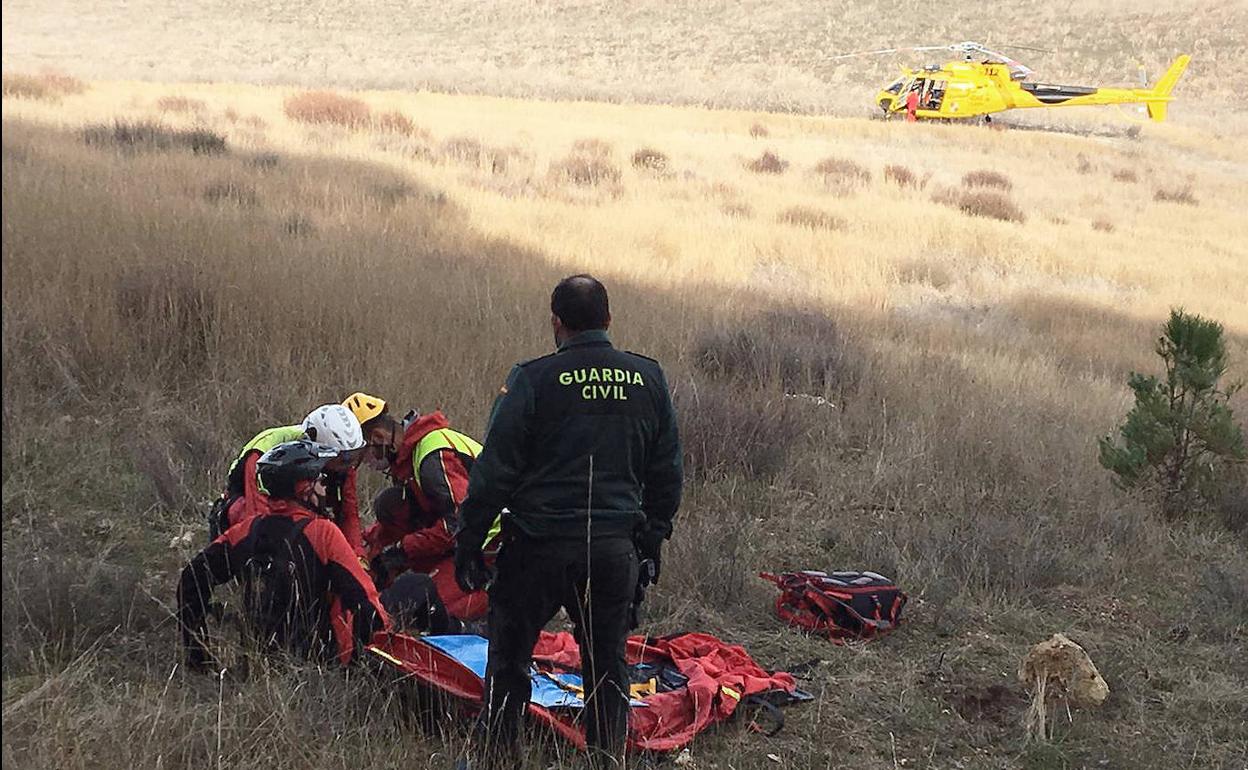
<point x="582" y="449"/>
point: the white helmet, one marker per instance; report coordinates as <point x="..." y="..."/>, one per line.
<point x="334" y="425"/>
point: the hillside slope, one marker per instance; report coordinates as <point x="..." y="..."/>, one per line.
<point x="756" y="54"/>
<point x="892" y="347"/>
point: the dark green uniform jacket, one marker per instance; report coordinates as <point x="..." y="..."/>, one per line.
<point x="586" y="430"/>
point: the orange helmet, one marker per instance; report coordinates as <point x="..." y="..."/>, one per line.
<point x="364" y="406"/>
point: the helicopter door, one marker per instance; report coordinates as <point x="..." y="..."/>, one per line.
<point x="933" y="94"/>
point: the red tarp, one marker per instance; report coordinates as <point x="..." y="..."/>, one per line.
<point x="719" y="676"/>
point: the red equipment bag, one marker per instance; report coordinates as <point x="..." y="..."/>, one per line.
<point x="842" y="606"/>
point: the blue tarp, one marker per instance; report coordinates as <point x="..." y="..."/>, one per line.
<point x="549" y="689"/>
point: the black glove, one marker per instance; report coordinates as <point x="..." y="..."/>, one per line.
<point x="470" y="571"/>
<point x="650" y="548"/>
<point x="388" y="564"/>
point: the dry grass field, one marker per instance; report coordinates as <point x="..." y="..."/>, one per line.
<point x="892" y="347"/>
<point x="753" y="54"/>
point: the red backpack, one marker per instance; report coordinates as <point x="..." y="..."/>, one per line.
<point x="839" y="605"/>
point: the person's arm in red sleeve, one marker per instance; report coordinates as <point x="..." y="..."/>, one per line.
<point x="210" y="567"/>
<point x="253" y="499"/>
<point x="350" y="584"/>
<point x="444" y="482"/>
<point x="349" y="514"/>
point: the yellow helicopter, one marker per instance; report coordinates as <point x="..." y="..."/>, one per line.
<point x="984" y="82"/>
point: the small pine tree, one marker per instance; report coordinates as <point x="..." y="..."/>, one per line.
<point x="1181" y="429"/>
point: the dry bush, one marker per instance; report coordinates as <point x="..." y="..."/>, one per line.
<point x="938" y="275"/>
<point x="833" y="168"/>
<point x="815" y="219"/>
<point x="650" y="159"/>
<point x="299" y="226"/>
<point x="981" y="203"/>
<point x="1180" y="195"/>
<point x="1103" y="225"/>
<point x="147" y="136"/>
<point x="501" y="160"/>
<point x="231" y="192"/>
<point x="327" y="107"/>
<point x="768" y="163"/>
<point x="1082" y="164"/>
<point x="801" y="351"/>
<point x="900" y="175"/>
<point x="585" y="171"/>
<point x="1126" y="175"/>
<point x="759" y="131"/>
<point x="984" y="178"/>
<point x="737" y="209"/>
<point x="180" y="104"/>
<point x="593" y="148"/>
<point x="264" y="160"/>
<point x="396" y="122"/>
<point x="462" y="149"/>
<point x="1223" y="598"/>
<point x="45" y="86"/>
<point x="726" y="429"/>
<point x="25" y="87"/>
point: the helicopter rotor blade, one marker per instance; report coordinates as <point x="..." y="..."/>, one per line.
<point x="883" y="51"/>
<point x="1028" y="48"/>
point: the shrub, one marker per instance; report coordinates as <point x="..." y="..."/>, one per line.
<point x="994" y="179"/>
<point x="230" y="192"/>
<point x="326" y="107"/>
<point x="802" y="351"/>
<point x="900" y="176"/>
<point x="1126" y="175"/>
<point x="843" y="169"/>
<point x="462" y="149"/>
<point x="759" y="131"/>
<point x="1181" y="433"/>
<point x="1082" y="164"/>
<point x="1183" y="195"/>
<point x="585" y="171"/>
<point x="396" y="122"/>
<point x="594" y="148"/>
<point x="805" y="216"/>
<point x="728" y="429"/>
<point x="180" y="104"/>
<point x="768" y="163"/>
<point x="983" y="203"/>
<point x="1103" y="225"/>
<point x="737" y="209"/>
<point x="143" y="135"/>
<point x="650" y="159"/>
<point x="47" y="85"/>
<point x="25" y="87"/>
<point x="265" y="160"/>
<point x="299" y="226"/>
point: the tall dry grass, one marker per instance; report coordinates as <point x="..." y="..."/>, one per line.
<point x="755" y="54"/>
<point x="915" y="390"/>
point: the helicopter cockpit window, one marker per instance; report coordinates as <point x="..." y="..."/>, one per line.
<point x="895" y="86"/>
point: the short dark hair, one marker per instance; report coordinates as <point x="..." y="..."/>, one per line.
<point x="381" y="420"/>
<point x="581" y="303"/>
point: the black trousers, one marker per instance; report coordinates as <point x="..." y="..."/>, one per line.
<point x="412" y="602"/>
<point x="595" y="583"/>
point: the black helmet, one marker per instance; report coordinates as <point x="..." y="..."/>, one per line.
<point x="283" y="465"/>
